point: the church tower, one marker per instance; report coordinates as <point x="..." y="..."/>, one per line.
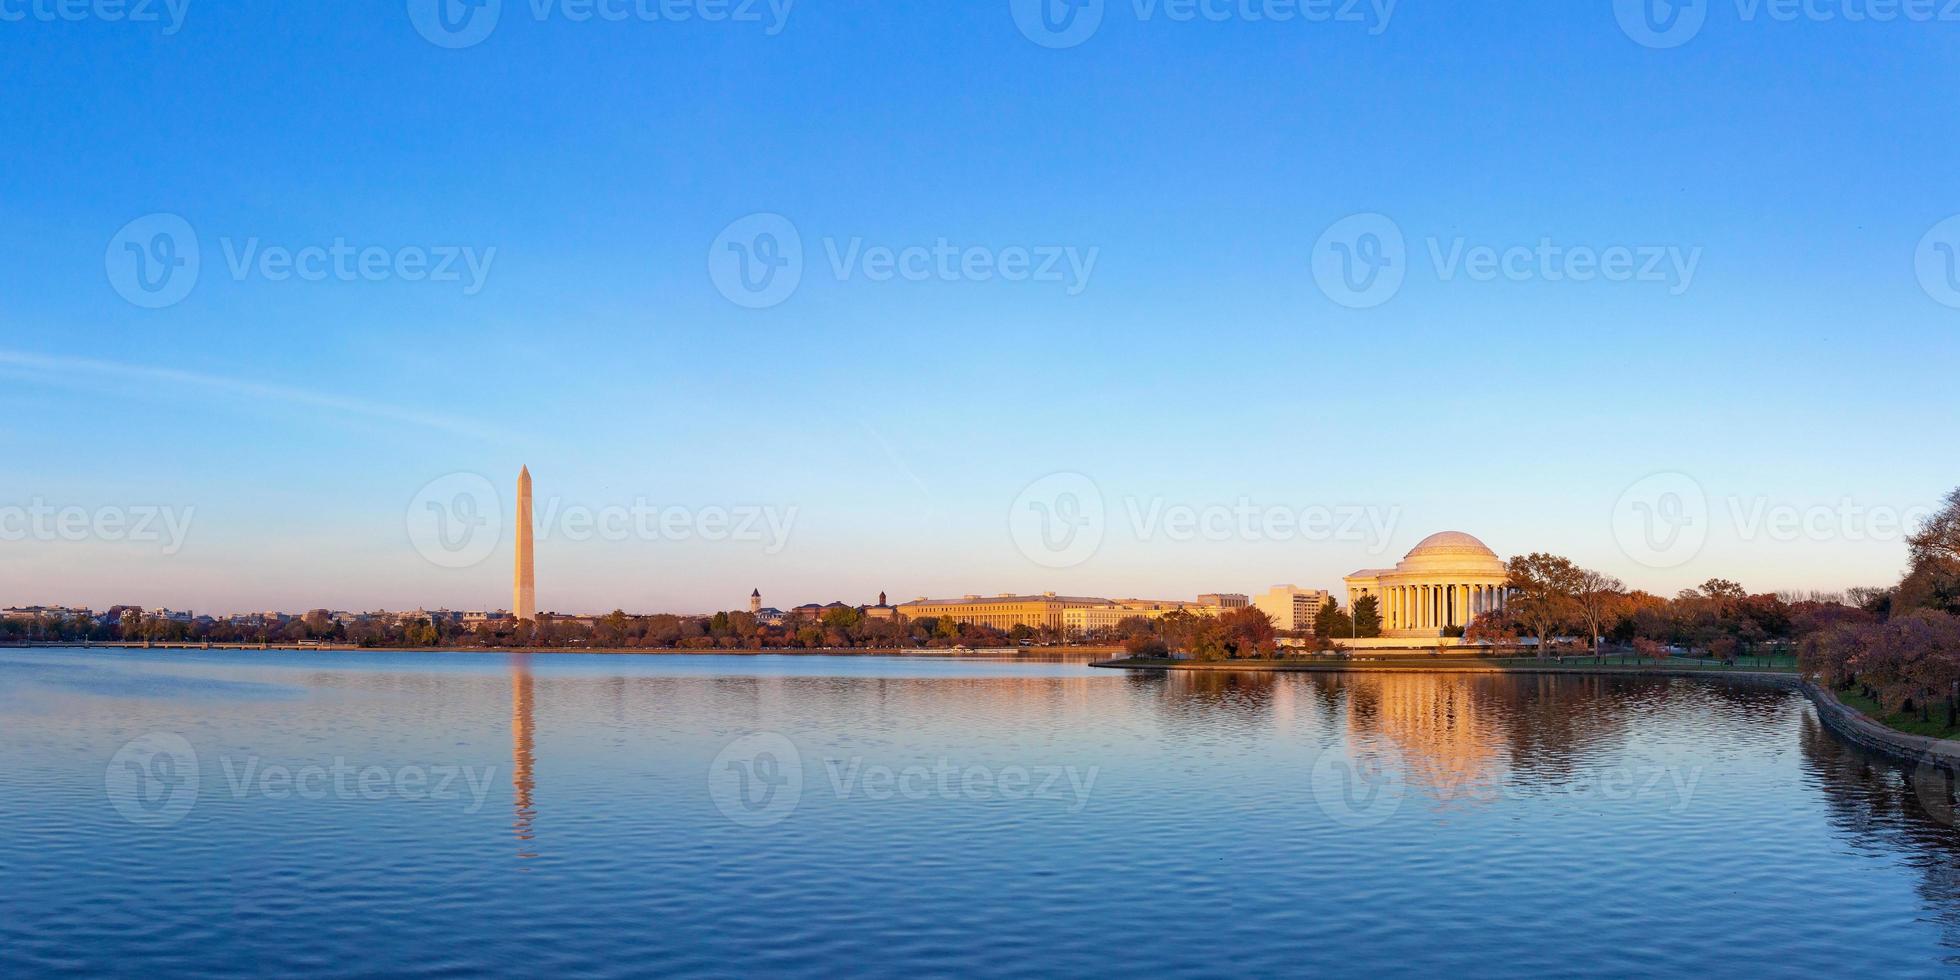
<point x="755" y="601"/>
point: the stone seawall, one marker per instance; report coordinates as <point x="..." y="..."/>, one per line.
<point x="1854" y="726"/>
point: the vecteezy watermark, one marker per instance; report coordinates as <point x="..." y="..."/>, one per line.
<point x="1068" y="23"/>
<point x="467" y="23"/>
<point x="757" y="262"/>
<point x="1673" y="785"/>
<point x="1155" y="518"/>
<point x="1362" y="260"/>
<point x="168" y="13"/>
<point x="1058" y="521"/>
<point x="154" y="262"/>
<point x="757" y="780"/>
<point x="155" y="780"/>
<point x="1760" y="518"/>
<point x="1671" y="23"/>
<point x="1361" y="786"/>
<point x="457" y="520"/>
<point x="39" y="520"/>
<point x="1663" y="520"/>
<point x="1936" y="261"/>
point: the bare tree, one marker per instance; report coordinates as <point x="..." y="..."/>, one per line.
<point x="1596" y="596"/>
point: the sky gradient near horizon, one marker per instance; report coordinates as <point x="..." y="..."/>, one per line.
<point x="897" y="430"/>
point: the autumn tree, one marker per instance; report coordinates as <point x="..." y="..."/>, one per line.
<point x="1933" y="574"/>
<point x="1543" y="594"/>
<point x="1596" y="596"/>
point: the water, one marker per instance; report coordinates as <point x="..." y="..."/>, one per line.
<point x="1008" y="818"/>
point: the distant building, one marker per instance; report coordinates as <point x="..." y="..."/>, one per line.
<point x="1291" y="607"/>
<point x="1086" y="621"/>
<point x="1159" y="608"/>
<point x="36" y="612"/>
<point x="882" y="610"/>
<point x="1003" y="612"/>
<point x="1227" y="601"/>
<point x="755" y="600"/>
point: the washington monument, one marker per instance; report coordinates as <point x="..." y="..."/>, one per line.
<point x="524" y="582"/>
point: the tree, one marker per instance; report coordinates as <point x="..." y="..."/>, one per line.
<point x="1331" y="623"/>
<point x="1933" y="577"/>
<point x="1247" y="632"/>
<point x="1596" y="596"/>
<point x="1367" y="617"/>
<point x="1543" y="594"/>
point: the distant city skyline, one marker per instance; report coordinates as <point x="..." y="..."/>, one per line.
<point x="1495" y="304"/>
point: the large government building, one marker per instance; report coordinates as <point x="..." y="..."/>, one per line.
<point x="1447" y="580"/>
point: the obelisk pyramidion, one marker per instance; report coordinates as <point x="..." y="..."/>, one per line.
<point x="524" y="584"/>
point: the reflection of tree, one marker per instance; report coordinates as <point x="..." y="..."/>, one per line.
<point x="1882" y="804"/>
<point x="1242" y="699"/>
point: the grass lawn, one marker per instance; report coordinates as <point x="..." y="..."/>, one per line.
<point x="1907" y="722"/>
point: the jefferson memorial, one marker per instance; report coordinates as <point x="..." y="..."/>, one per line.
<point x="1447" y="580"/>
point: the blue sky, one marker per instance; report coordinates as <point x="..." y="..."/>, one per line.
<point x="895" y="425"/>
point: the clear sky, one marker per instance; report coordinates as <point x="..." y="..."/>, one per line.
<point x="1787" y="350"/>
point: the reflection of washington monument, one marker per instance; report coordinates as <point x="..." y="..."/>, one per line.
<point x="522" y="751"/>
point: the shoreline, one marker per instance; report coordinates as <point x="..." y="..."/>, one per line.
<point x="1842" y="720"/>
<point x="1083" y="651"/>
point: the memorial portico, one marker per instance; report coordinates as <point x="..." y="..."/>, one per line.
<point x="1447" y="580"/>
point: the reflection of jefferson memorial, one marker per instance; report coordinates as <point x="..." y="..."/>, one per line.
<point x="1447" y="580"/>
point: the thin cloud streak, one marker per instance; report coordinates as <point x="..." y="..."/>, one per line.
<point x="70" y="366"/>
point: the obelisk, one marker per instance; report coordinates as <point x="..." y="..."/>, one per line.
<point x="524" y="585"/>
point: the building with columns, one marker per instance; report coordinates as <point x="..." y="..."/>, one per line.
<point x="1447" y="580"/>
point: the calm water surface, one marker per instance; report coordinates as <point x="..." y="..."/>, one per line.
<point x="354" y="814"/>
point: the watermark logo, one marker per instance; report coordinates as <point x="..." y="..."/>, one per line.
<point x="169" y="13"/>
<point x="1937" y="262"/>
<point x="456" y="521"/>
<point x="455" y="23"/>
<point x="39" y="520"/>
<point x="342" y="261"/>
<point x="1361" y="260"/>
<point x="1057" y="23"/>
<point x="1661" y="521"/>
<point x="153" y="779"/>
<point x="1068" y="23"/>
<point x="153" y="261"/>
<point x="1155" y="518"/>
<point x="466" y="23"/>
<point x="1362" y="786"/>
<point x="1069" y="786"/>
<point x="757" y="261"/>
<point x="757" y="780"/>
<point x="1058" y="520"/>
<point x="1661" y="24"/>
